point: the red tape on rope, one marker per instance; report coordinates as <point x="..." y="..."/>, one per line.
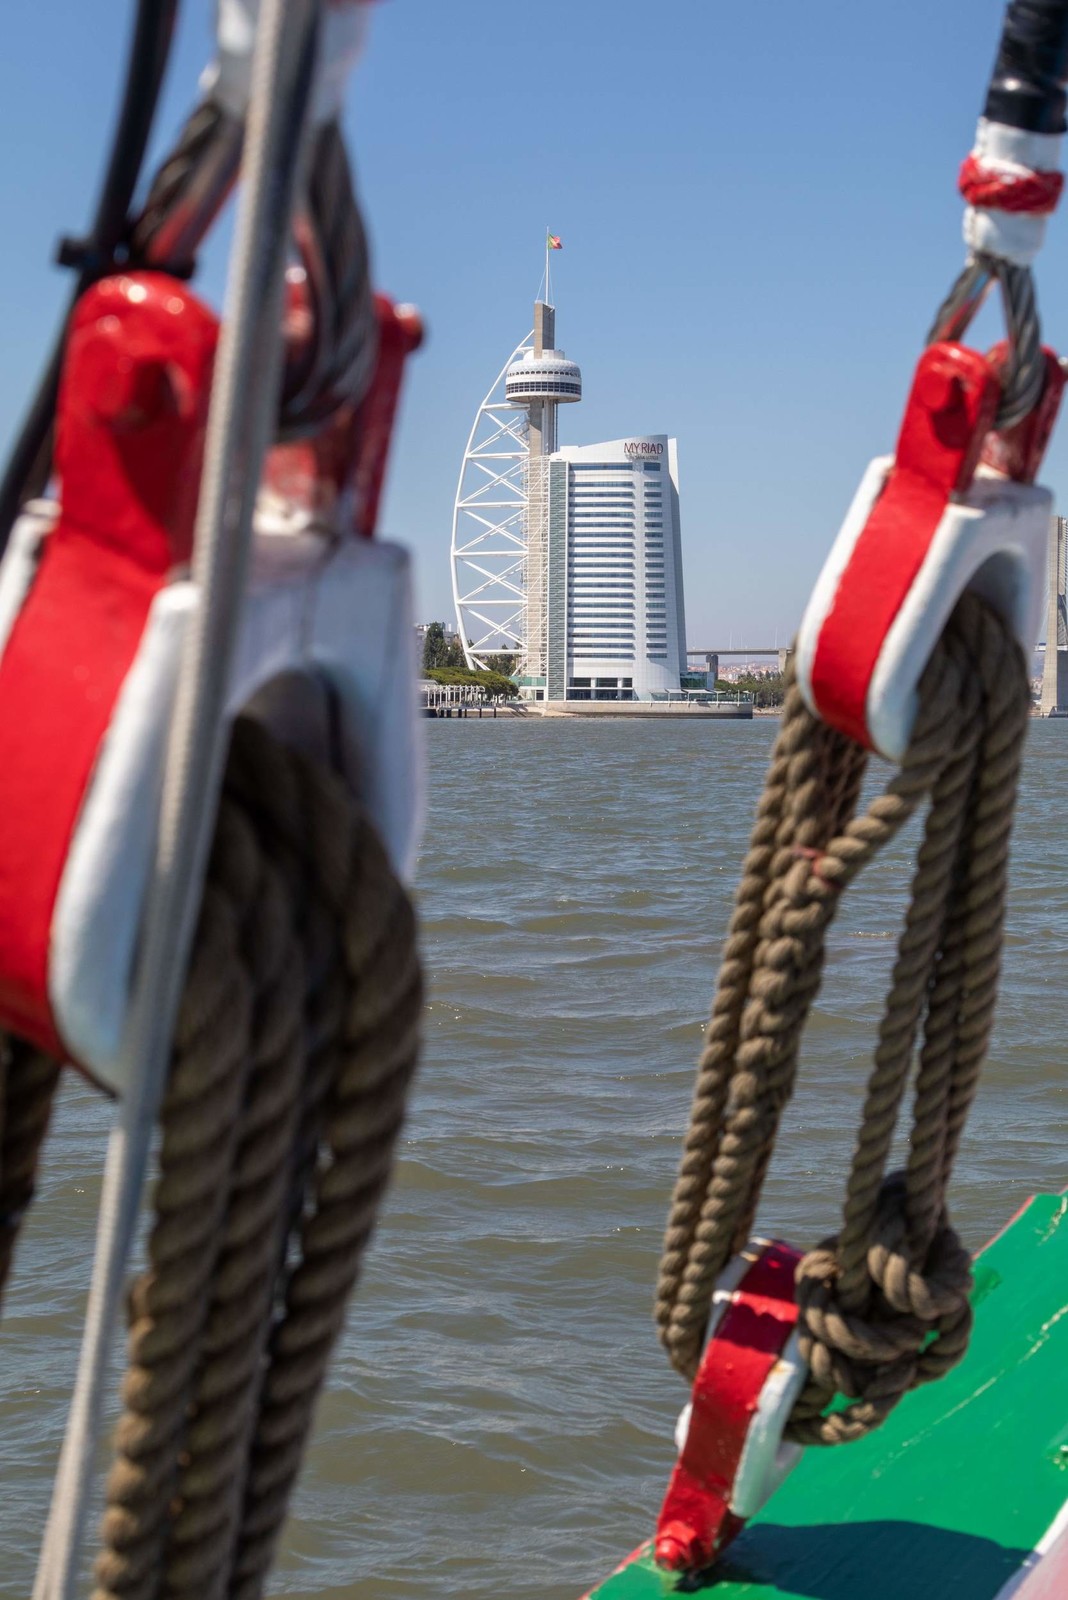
<point x="994" y="189"/>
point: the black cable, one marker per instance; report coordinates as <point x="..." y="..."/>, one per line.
<point x="1027" y="86"/>
<point x="188" y="191"/>
<point x="30" y="462"/>
<point x="334" y="249"/>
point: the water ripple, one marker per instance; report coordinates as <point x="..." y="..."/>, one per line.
<point x="499" y="1418"/>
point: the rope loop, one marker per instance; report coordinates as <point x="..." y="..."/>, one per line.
<point x="884" y="1302"/>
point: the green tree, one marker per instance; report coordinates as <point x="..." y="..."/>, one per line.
<point x="767" y="688"/>
<point x="504" y="664"/>
<point x="441" y="649"/>
<point x="435" y="646"/>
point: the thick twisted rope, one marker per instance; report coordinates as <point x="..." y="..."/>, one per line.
<point x="296" y="1041"/>
<point x="883" y="1304"/>
<point x="27" y="1086"/>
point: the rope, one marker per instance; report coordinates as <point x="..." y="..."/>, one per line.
<point x="296" y="1041"/>
<point x="884" y="1303"/>
<point x="1009" y="189"/>
<point x="239" y="423"/>
<point x="187" y="190"/>
<point x="27" y="1086"/>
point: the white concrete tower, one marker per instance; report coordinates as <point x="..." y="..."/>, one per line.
<point x="1054" y="695"/>
<point x="538" y="382"/>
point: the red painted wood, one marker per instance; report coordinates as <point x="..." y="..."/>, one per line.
<point x="695" y="1520"/>
<point x="950" y="410"/>
<point x="130" y="430"/>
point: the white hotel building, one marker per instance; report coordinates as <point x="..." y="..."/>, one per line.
<point x="614" y="615"/>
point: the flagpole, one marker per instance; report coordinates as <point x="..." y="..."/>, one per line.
<point x="548" y="291"/>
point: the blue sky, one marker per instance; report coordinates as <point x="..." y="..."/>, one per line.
<point x="759" y="217"/>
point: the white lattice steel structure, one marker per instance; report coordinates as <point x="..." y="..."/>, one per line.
<point x="498" y="519"/>
<point x="489" y="527"/>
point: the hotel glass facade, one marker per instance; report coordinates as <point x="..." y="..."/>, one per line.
<point x="614" y="612"/>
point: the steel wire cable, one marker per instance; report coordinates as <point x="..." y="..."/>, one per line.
<point x="1025" y="373"/>
<point x="333" y="245"/>
<point x="185" y="197"/>
<point x="188" y="189"/>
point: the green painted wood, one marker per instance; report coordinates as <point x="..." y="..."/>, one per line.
<point x="950" y="1496"/>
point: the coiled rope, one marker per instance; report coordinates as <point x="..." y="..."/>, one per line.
<point x="883" y="1303"/>
<point x="296" y="1041"/>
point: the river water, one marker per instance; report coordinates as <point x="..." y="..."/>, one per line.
<point x="499" y="1420"/>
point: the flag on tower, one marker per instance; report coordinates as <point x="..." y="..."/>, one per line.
<point x="554" y="242"/>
